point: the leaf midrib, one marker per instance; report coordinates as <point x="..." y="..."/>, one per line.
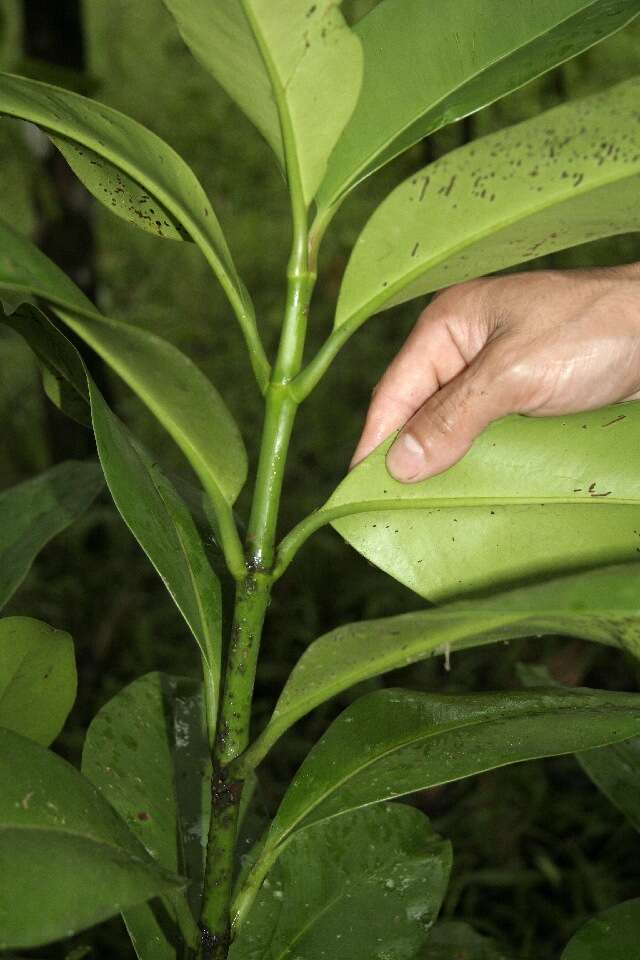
<point x="439" y="731"/>
<point x="369" y="167"/>
<point x="80" y="835"/>
<point x="377" y="303"/>
<point x="165" y="197"/>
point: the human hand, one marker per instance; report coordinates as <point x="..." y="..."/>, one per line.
<point x="540" y="343"/>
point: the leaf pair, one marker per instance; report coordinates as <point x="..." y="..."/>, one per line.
<point x="147" y="753"/>
<point x="293" y="66"/>
<point x="125" y="166"/>
<point x="388" y="744"/>
<point x="429" y="64"/>
<point x="173" y="388"/>
<point x="147" y="501"/>
<point x="601" y="605"/>
<point x="335" y="105"/>
<point x="138" y="177"/>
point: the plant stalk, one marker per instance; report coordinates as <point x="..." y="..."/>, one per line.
<point x="252" y="600"/>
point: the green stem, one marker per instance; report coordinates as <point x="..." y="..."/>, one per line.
<point x="252" y="599"/>
<point x="310" y="377"/>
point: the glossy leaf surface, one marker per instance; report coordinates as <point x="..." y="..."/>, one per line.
<point x="369" y="885"/>
<point x="35" y="511"/>
<point x="452" y="940"/>
<point x="429" y="64"/>
<point x="173" y="388"/>
<point x="293" y="66"/>
<point x="601" y="605"/>
<point x="615" y="770"/>
<point x="147" y="753"/>
<point x="567" y="176"/>
<point x="163" y="526"/>
<point x="67" y="860"/>
<point x="127" y="167"/>
<point x="533" y="497"/>
<point x="614" y="934"/>
<point x="37" y="678"/>
<point x="393" y="742"/>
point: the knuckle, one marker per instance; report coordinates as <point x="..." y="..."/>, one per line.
<point x="442" y="420"/>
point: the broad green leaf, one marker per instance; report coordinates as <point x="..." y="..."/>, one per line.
<point x="67" y="860"/>
<point x="37" y="678"/>
<point x="174" y="389"/>
<point x="293" y="66"/>
<point x="35" y="511"/>
<point x="427" y="64"/>
<point x="615" y="770"/>
<point x="452" y="940"/>
<point x="533" y="497"/>
<point x="567" y="176"/>
<point x="221" y="39"/>
<point x="393" y="742"/>
<point x="63" y="375"/>
<point x="125" y="166"/>
<point x="163" y="526"/>
<point x="601" y="605"/>
<point x="366" y="886"/>
<point x="613" y="935"/>
<point x="147" y="753"/>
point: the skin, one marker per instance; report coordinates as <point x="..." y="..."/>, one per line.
<point x="543" y="343"/>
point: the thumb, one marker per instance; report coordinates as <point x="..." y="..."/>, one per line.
<point x="443" y="429"/>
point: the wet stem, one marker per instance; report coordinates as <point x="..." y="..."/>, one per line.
<point x="253" y="592"/>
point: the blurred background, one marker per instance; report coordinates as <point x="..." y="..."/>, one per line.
<point x="537" y="849"/>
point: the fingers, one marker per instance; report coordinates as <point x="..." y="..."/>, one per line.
<point x="444" y="428"/>
<point x="436" y="351"/>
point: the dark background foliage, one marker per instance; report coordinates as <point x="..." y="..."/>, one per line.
<point x="537" y="849"/>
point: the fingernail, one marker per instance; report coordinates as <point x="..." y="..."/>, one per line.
<point x="406" y="460"/>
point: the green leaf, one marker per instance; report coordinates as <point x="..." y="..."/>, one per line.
<point x="221" y="39"/>
<point x="429" y="64"/>
<point x="165" y="530"/>
<point x="293" y="66"/>
<point x="63" y="374"/>
<point x="152" y="931"/>
<point x="393" y="742"/>
<point x="147" y="753"/>
<point x="67" y="860"/>
<point x="34" y="512"/>
<point x="614" y="934"/>
<point x="615" y="770"/>
<point x="174" y="389"/>
<point x="452" y="940"/>
<point x="37" y="678"/>
<point x="533" y="497"/>
<point x="565" y="177"/>
<point x="601" y="605"/>
<point x="127" y="167"/>
<point x="369" y="885"/>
